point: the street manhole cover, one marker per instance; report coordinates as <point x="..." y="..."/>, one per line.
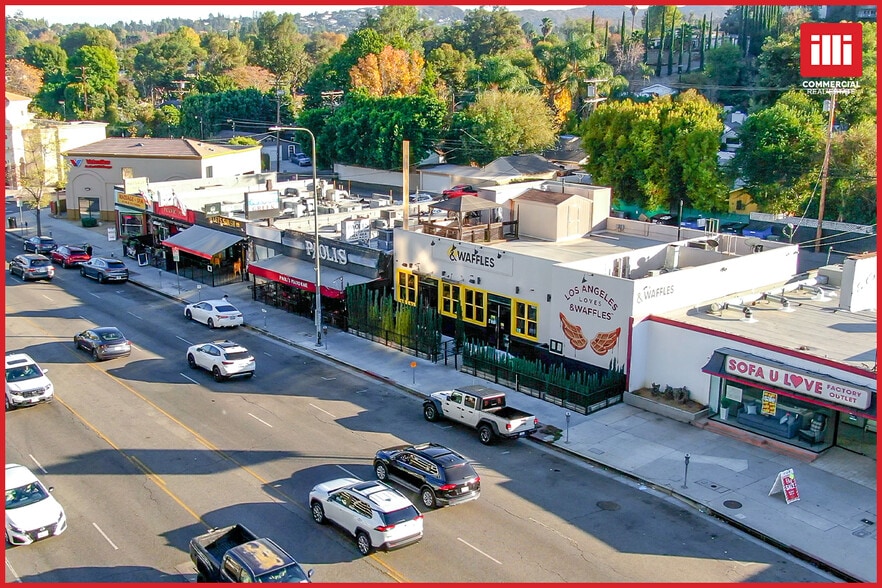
<point x="607" y="505"/>
<point x="732" y="504"/>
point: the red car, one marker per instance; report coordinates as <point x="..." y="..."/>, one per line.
<point x="69" y="255"/>
<point x="460" y="190"/>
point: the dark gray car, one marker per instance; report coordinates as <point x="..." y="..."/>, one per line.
<point x="40" y="244"/>
<point x="103" y="343"/>
<point x="105" y="269"/>
<point x="32" y="266"/>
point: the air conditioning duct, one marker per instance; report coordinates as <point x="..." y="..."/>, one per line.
<point x="672" y="257"/>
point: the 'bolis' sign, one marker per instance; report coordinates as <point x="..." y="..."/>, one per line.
<point x="834" y="391"/>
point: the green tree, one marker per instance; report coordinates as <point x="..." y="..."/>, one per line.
<point x="16" y="41"/>
<point x="500" y="123"/>
<point x="452" y="67"/>
<point x="162" y="61"/>
<point x="334" y="75"/>
<point x="861" y="105"/>
<point x="851" y="189"/>
<point x="93" y="72"/>
<point x="497" y="72"/>
<point x="280" y="48"/>
<point x="223" y="53"/>
<point x="48" y="57"/>
<point x="400" y="25"/>
<point x="779" y="145"/>
<point x="35" y="175"/>
<point x="88" y="36"/>
<point x="488" y="32"/>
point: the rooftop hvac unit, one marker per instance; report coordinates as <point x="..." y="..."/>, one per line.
<point x="653" y="273"/>
<point x="390" y="214"/>
<point x="672" y="257"/>
<point x="381" y="223"/>
<point x="385" y="235"/>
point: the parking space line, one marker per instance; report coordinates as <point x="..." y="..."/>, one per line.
<point x="323" y="410"/>
<point x="189" y="378"/>
<point x="34" y="459"/>
<point x="136" y="316"/>
<point x="261" y="420"/>
<point x="347" y="471"/>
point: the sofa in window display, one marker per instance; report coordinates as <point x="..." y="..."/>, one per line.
<point x="783" y="423"/>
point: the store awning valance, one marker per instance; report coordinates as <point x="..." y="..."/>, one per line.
<point x="301" y="274"/>
<point x="202" y="241"/>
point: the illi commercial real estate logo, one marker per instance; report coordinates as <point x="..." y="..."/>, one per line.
<point x="830" y="50"/>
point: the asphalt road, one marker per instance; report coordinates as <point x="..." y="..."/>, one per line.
<point x="145" y="453"/>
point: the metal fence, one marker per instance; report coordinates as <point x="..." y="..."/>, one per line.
<point x="412" y="345"/>
<point x="582" y="401"/>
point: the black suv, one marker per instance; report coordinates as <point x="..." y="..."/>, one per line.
<point x="440" y="475"/>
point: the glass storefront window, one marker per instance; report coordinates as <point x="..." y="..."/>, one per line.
<point x="776" y="416"/>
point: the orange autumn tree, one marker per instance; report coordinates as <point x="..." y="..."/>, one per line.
<point x="392" y="72"/>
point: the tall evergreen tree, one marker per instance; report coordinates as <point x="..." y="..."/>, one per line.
<point x="671" y="46"/>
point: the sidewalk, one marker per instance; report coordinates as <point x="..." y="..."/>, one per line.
<point x="833" y="524"/>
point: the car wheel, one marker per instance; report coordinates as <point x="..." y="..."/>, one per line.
<point x="215" y="371"/>
<point x="101" y="279"/>
<point x="82" y="272"/>
<point x="8" y="404"/>
<point x="318" y="513"/>
<point x="64" y="265"/>
<point x="363" y="542"/>
<point x="189" y="314"/>
<point x="381" y="471"/>
<point x="428" y="497"/>
<point x="210" y="323"/>
<point x="95" y="355"/>
<point x="191" y="361"/>
<point x="430" y="412"/>
<point x="485" y="434"/>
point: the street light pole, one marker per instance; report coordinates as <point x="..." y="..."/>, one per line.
<point x="316" y="253"/>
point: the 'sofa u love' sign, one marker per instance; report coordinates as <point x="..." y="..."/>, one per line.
<point x="838" y="392"/>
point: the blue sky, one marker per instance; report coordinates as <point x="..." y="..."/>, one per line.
<point x="109" y="14"/>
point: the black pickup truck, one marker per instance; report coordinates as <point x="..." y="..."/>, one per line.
<point x="235" y="554"/>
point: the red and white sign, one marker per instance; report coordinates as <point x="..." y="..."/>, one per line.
<point x="786" y="482"/>
<point x="292" y="281"/>
<point x="838" y="392"/>
<point x="830" y="50"/>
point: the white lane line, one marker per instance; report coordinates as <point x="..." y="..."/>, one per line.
<point x="46" y="297"/>
<point x="82" y="317"/>
<point x="478" y="550"/>
<point x="328" y="379"/>
<point x="189" y="378"/>
<point x="347" y="471"/>
<point x="136" y="316"/>
<point x="261" y="420"/>
<point x="323" y="410"/>
<point x="360" y="391"/>
<point x="105" y="536"/>
<point x="182" y="339"/>
<point x="34" y="459"/>
<point x="12" y="570"/>
<point x="267" y="354"/>
<point x="95" y="295"/>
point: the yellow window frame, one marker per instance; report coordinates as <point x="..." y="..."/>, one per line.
<point x="524" y="315"/>
<point x="474" y="306"/>
<point x="407" y="287"/>
<point x="448" y="298"/>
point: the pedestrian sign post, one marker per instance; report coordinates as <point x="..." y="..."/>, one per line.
<point x="786" y="482"/>
<point x="176" y="254"/>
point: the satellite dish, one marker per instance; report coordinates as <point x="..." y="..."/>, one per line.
<point x="753" y="241"/>
<point x="713" y="243"/>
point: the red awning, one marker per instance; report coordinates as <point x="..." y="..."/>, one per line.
<point x="301" y="274"/>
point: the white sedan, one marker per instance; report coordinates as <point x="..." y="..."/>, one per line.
<point x="224" y="359"/>
<point x="31" y="511"/>
<point x="214" y="313"/>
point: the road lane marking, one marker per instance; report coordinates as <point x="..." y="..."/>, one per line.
<point x="323" y="410"/>
<point x="34" y="459"/>
<point x="189" y="378"/>
<point x="328" y="379"/>
<point x="347" y="471"/>
<point x="261" y="420"/>
<point x="103" y="534"/>
<point x="478" y="550"/>
<point x="136" y="316"/>
<point x="47" y="298"/>
<point x="267" y="354"/>
<point x="12" y="570"/>
<point x="184" y="340"/>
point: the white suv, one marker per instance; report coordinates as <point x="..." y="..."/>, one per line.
<point x="377" y="515"/>
<point x="223" y="359"/>
<point x="26" y="383"/>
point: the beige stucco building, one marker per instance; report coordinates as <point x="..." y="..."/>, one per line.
<point x="96" y="169"/>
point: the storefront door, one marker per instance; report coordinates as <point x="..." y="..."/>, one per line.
<point x="498" y="316"/>
<point x="857" y="434"/>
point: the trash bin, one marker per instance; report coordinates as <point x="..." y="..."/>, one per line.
<point x="10" y="221"/>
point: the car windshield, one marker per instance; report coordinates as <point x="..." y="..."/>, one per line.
<point x="403" y="515"/>
<point x="292" y="573"/>
<point x="225" y="308"/>
<point x="237" y="355"/>
<point x="25" y="495"/>
<point x="40" y="262"/>
<point x="116" y="265"/>
<point x="111" y="336"/>
<point x="24" y="372"/>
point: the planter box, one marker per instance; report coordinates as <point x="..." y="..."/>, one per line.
<point x="89" y="221"/>
<point x="651" y="405"/>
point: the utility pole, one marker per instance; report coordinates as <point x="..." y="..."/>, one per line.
<point x="824" y="168"/>
<point x="278" y="142"/>
<point x="82" y="77"/>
